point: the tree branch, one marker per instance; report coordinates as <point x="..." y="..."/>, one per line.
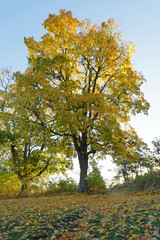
<point x="101" y="90"/>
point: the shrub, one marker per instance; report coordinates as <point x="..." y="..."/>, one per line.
<point x="64" y="185"/>
<point x="96" y="183"/>
<point x="9" y="184"/>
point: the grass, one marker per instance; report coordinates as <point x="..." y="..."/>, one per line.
<point x="80" y="216"/>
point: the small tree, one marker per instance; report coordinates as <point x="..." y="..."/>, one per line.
<point x="150" y="160"/>
<point x="25" y="148"/>
<point x="124" y="169"/>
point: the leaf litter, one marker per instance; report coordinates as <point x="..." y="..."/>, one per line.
<point x="81" y="217"/>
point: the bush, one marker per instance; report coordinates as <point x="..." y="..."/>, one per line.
<point x="96" y="183"/>
<point x="64" y="185"/>
<point x="9" y="184"/>
<point x="148" y="182"/>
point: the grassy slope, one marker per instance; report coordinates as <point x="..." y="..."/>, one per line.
<point x="112" y="216"/>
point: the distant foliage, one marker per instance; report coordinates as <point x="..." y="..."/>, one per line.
<point x="148" y="182"/>
<point x="148" y="162"/>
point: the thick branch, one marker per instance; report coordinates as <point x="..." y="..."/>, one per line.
<point x="45" y="168"/>
<point x="13" y="151"/>
<point x="75" y="140"/>
<point x="92" y="151"/>
<point x="61" y="134"/>
<point x="25" y="150"/>
<point x="96" y="77"/>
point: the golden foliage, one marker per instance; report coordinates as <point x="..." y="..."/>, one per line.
<point x="81" y="80"/>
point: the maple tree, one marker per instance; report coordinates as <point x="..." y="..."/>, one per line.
<point x="81" y="86"/>
<point x="24" y="145"/>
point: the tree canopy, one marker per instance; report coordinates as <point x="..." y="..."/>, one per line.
<point x="81" y="87"/>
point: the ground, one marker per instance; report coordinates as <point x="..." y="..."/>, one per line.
<point x="80" y="216"/>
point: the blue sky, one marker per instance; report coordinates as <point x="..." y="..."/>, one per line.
<point x="139" y="21"/>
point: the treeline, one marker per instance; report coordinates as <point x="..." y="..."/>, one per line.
<point x="141" y="175"/>
<point x="148" y="163"/>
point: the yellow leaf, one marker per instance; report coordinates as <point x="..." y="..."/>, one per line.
<point x="101" y="230"/>
<point x="134" y="235"/>
<point x="146" y="232"/>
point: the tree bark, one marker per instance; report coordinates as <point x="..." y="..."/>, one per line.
<point x="81" y="148"/>
<point x="83" y="163"/>
<point x="24" y="187"/>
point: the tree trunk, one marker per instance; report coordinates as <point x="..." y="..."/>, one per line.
<point x="83" y="163"/>
<point x="81" y="148"/>
<point x="24" y="188"/>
